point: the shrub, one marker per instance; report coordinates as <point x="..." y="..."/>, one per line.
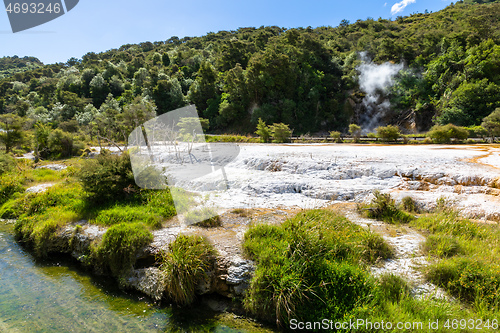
<point x="7" y="163"/>
<point x="336" y="136"/>
<point x="263" y="131"/>
<point x="443" y="134"/>
<point x="468" y="279"/>
<point x="280" y="132"/>
<point x="108" y="177"/>
<point x="388" y="133"/>
<point x="491" y="123"/>
<point x="119" y="246"/>
<point x="355" y="131"/>
<point x="184" y="265"/>
<point x="409" y="204"/>
<point x="39" y="230"/>
<point x="60" y="144"/>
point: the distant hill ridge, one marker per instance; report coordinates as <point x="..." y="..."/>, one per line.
<point x="305" y="77"/>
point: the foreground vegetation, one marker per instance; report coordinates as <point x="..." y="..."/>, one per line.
<point x="314" y="265"/>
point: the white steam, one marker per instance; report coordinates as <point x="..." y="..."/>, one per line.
<point x="400" y="6"/>
<point x="373" y="81"/>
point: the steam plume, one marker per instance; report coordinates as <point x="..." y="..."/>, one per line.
<point x="373" y="81"/>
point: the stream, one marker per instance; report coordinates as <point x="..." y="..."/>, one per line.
<point x="58" y="296"/>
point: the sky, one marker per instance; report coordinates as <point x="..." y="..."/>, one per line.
<point x="100" y="25"/>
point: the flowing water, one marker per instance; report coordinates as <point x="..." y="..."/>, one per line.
<point x="58" y="296"/>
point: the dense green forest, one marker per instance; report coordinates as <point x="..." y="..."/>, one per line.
<point x="304" y="77"/>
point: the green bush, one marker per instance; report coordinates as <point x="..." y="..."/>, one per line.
<point x="355" y="131"/>
<point x="119" y="246"/>
<point x="7" y="163"/>
<point x="39" y="230"/>
<point x="388" y="133"/>
<point x="309" y="267"/>
<point x="9" y="185"/>
<point x="108" y="177"/>
<point x="468" y="279"/>
<point x="184" y="265"/>
<point x="60" y="144"/>
<point x="263" y="131"/>
<point x="444" y="134"/>
<point x="491" y="123"/>
<point x="280" y="132"/>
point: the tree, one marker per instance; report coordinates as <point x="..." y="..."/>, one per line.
<point x="492" y="123"/>
<point x="280" y="132"/>
<point x="355" y="131"/>
<point x="388" y="133"/>
<point x="11" y="134"/>
<point x="263" y="131"/>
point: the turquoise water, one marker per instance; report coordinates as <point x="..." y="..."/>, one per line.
<point x="58" y="296"/>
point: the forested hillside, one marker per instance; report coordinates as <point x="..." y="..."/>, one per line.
<point x="304" y="77"/>
<point x="11" y="65"/>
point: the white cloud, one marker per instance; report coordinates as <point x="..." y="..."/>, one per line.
<point x="385" y="4"/>
<point x="400" y="6"/>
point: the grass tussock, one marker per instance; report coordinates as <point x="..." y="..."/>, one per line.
<point x="383" y="207"/>
<point x="184" y="265"/>
<point x="392" y="287"/>
<point x="310" y="267"/>
<point x="119" y="246"/>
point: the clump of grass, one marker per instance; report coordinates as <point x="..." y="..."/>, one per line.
<point x="442" y="246"/>
<point x="205" y="217"/>
<point x="119" y="246"/>
<point x="184" y="265"/>
<point x="410" y="205"/>
<point x="310" y="267"/>
<point x="383" y="207"/>
<point x="375" y="247"/>
<point x="392" y="287"/>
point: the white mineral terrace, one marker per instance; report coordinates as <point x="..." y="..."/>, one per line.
<point x="310" y="176"/>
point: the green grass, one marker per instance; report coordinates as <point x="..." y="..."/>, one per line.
<point x="119" y="246"/>
<point x="311" y="266"/>
<point x="184" y="265"/>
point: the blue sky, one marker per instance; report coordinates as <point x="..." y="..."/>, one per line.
<point x="96" y="26"/>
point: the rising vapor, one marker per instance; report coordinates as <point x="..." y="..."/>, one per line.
<point x="373" y="81"/>
<point x="400" y="6"/>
